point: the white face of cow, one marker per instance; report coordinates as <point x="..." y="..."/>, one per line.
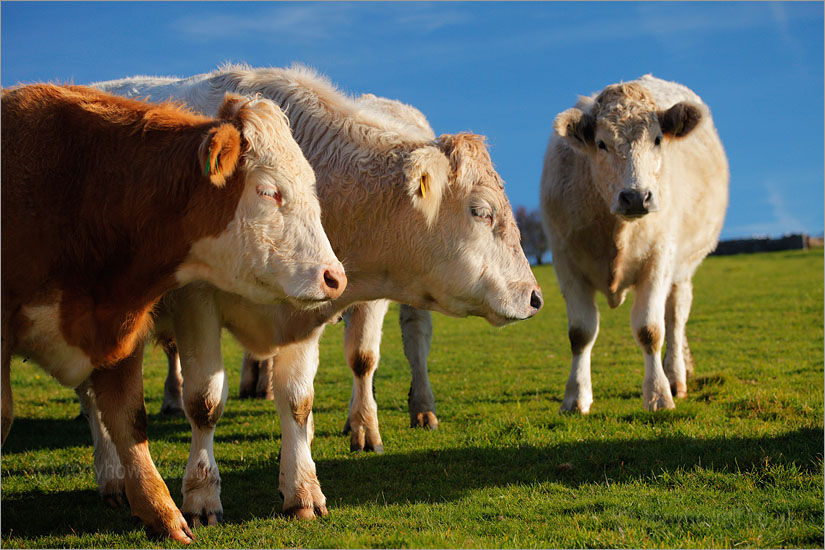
<point x="275" y="247"/>
<point x="477" y="266"/>
<point x="625" y="139"/>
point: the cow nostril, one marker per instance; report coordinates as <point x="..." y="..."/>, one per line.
<point x="535" y="300"/>
<point x="648" y="198"/>
<point x="625" y="198"/>
<point x="330" y="280"/>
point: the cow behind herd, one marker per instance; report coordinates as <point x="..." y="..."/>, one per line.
<point x="122" y="217"/>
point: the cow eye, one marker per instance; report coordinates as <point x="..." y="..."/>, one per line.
<point x="482" y="214"/>
<point x="270" y="193"/>
<point x="658" y="140"/>
<point x="602" y="145"/>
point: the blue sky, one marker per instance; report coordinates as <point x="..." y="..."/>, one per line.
<point x="500" y="69"/>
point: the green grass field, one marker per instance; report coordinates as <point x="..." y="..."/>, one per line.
<point x="737" y="464"/>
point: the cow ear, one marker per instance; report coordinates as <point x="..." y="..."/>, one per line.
<point x="219" y="153"/>
<point x="425" y="170"/>
<point x="576" y="128"/>
<point x="681" y="119"/>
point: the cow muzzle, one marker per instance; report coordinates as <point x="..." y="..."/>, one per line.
<point x="634" y="203"/>
<point x="333" y="281"/>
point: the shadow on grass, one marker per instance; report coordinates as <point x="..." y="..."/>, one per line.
<point x="437" y="476"/>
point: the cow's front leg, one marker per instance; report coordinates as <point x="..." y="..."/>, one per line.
<point x="362" y="343"/>
<point x="205" y="389"/>
<point x="173" y="387"/>
<point x="294" y="372"/>
<point x="647" y="321"/>
<point x="678" y="359"/>
<point x="582" y="330"/>
<point x="417" y="334"/>
<point x="118" y="392"/>
<point x="109" y="472"/>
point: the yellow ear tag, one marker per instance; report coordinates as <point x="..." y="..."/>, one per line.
<point x="424" y="180"/>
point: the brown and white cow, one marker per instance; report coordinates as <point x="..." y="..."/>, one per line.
<point x="633" y="195"/>
<point x="108" y="203"/>
<point x="420" y="221"/>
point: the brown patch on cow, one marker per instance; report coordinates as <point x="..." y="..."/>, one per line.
<point x="203" y="411"/>
<point x="301" y="410"/>
<point x="578" y="339"/>
<point x="650" y="339"/>
<point x="107" y="185"/>
<point x="363" y="363"/>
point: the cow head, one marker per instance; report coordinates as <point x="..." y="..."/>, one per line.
<point x="474" y="264"/>
<point x="625" y="138"/>
<point x="275" y="246"/>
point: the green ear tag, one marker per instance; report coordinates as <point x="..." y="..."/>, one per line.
<point x="209" y="162"/>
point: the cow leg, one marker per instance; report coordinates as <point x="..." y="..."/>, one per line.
<point x="677" y="353"/>
<point x="249" y="376"/>
<point x="647" y="321"/>
<point x="109" y="472"/>
<point x="205" y="389"/>
<point x="118" y="392"/>
<point x="173" y="387"/>
<point x="417" y="334"/>
<point x="256" y="378"/>
<point x="362" y="343"/>
<point x="7" y="400"/>
<point x="582" y="330"/>
<point x="263" y="388"/>
<point x="294" y="372"/>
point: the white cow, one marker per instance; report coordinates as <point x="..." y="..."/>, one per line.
<point x="633" y="195"/>
<point x="419" y="221"/>
<point x="362" y="336"/>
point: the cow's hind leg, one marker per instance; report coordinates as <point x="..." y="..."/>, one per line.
<point x="582" y="330"/>
<point x="362" y="343"/>
<point x="119" y="394"/>
<point x="678" y="358"/>
<point x="173" y="387"/>
<point x="294" y="372"/>
<point x="417" y="334"/>
<point x="256" y="378"/>
<point x="109" y="472"/>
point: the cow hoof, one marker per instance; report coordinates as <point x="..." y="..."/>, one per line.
<point x="679" y="390"/>
<point x="210" y="518"/>
<point x="377" y="449"/>
<point x="172" y="410"/>
<point x="179" y="531"/>
<point x="116" y="500"/>
<point x="656" y="403"/>
<point x="574" y="406"/>
<point x="427" y="420"/>
<point x="297" y="512"/>
<point x="113" y="493"/>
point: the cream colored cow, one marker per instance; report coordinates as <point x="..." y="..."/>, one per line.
<point x="420" y="221"/>
<point x="633" y="195"/>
